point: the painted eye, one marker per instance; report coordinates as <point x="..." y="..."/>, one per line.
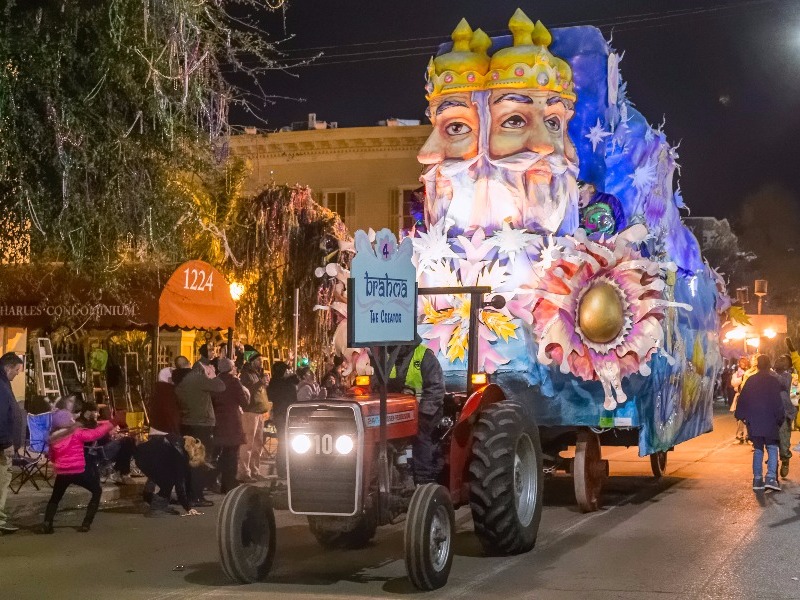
<point x="457" y="128"/>
<point x="513" y="122"/>
<point x="553" y="124"/>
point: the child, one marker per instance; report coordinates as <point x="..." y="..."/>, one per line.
<point x="66" y="452"/>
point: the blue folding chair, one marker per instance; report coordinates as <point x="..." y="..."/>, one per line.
<point x="34" y="461"/>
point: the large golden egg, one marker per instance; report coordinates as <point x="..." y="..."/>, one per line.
<point x="601" y="315"/>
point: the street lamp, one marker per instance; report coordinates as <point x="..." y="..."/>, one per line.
<point x="760" y="290"/>
<point x="237" y="289"/>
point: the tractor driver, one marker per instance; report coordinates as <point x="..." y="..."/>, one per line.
<point x="418" y="369"/>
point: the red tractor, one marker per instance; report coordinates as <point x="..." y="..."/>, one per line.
<point x="348" y="470"/>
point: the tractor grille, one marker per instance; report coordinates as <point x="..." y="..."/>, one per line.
<point x="322" y="481"/>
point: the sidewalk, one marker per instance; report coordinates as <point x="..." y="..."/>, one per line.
<point x="29" y="504"/>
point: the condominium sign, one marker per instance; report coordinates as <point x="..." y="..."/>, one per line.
<point x="91" y="312"/>
<point x="382" y="292"/>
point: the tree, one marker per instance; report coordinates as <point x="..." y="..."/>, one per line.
<point x="104" y="107"/>
<point x="768" y="224"/>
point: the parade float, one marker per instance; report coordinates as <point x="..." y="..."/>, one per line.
<point x="565" y="300"/>
<point x="543" y="182"/>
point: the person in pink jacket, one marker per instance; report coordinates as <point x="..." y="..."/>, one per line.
<point x="67" y="454"/>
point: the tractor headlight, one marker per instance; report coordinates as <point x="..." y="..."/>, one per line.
<point x="344" y="444"/>
<point x="301" y="443"/>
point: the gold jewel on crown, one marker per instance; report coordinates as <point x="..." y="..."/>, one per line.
<point x="528" y="64"/>
<point x="464" y="68"/>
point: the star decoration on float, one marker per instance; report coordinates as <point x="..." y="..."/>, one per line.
<point x="510" y="241"/>
<point x="597" y="134"/>
<point x="644" y="176"/>
<point x="432" y="247"/>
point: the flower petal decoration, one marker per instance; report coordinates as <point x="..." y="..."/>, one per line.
<point x="598" y="308"/>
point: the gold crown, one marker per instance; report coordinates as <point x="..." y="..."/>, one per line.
<point x="528" y="63"/>
<point x="463" y="69"/>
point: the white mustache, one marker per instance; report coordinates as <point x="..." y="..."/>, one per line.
<point x="450" y="167"/>
<point x="524" y="161"/>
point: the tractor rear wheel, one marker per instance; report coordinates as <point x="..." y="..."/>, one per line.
<point x="246" y="534"/>
<point x="506" y="479"/>
<point x="348" y="533"/>
<point x="430" y="527"/>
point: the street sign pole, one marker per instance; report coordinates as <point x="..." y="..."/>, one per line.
<point x="382" y="312"/>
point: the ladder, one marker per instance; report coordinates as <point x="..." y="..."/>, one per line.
<point x="47" y="382"/>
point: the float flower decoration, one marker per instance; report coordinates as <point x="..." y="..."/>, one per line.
<point x="470" y="260"/>
<point x="598" y="308"/>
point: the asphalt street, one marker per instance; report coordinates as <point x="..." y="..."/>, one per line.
<point x="700" y="532"/>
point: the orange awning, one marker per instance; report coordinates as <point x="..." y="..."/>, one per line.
<point x="197" y="296"/>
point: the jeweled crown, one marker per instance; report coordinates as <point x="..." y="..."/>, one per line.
<point x="464" y="68"/>
<point x="528" y="63"/>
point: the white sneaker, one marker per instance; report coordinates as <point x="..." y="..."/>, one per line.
<point x="115" y="478"/>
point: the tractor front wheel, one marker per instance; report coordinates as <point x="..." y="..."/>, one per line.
<point x="246" y="534"/>
<point x="430" y="526"/>
<point x="506" y="479"/>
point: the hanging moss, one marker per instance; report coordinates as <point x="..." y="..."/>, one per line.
<point x="278" y="237"/>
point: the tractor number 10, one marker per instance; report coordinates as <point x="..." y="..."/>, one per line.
<point x="323" y="444"/>
<point x="198" y="280"/>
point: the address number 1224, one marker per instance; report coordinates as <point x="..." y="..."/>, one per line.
<point x="196" y="280"/>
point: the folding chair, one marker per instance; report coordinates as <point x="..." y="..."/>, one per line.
<point x="34" y="460"/>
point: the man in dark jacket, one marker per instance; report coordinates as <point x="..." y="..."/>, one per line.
<point x="194" y="389"/>
<point x="761" y="408"/>
<point x="282" y="391"/>
<point x="418" y="369"/>
<point x="255" y="381"/>
<point x="10" y="367"/>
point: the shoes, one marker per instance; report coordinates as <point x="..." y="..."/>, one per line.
<point x="8" y="529"/>
<point x="772" y="484"/>
<point x="46" y="528"/>
<point x="120" y="479"/>
<point x="758" y="483"/>
<point x="784" y="469"/>
<point x="202" y="503"/>
<point x="84" y="528"/>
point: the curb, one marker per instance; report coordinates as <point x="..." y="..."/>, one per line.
<point x="26" y="505"/>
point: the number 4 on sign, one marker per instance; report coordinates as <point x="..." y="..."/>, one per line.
<point x="199" y="281"/>
<point x="385" y="251"/>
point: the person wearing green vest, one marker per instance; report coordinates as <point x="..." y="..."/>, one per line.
<point x="417" y="369"/>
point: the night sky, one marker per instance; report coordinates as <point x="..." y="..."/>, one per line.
<point x="726" y="75"/>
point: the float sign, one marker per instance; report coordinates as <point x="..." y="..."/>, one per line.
<point x="381" y="292"/>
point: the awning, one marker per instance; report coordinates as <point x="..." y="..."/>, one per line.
<point x="197" y="297"/>
<point x="137" y="297"/>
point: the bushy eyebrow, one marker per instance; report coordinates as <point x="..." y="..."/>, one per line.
<point x="556" y="99"/>
<point x="521" y="98"/>
<point x="449" y="104"/>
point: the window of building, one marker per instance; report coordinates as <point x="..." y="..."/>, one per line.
<point x="340" y="202"/>
<point x="404" y="202"/>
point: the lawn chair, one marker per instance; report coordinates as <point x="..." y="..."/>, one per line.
<point x="34" y="460"/>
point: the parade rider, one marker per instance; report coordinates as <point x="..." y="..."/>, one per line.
<point x="418" y="369"/>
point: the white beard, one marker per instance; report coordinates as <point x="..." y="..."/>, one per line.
<point x="482" y="192"/>
<point x="550" y="207"/>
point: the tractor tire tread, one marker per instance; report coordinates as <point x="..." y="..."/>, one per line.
<point x="491" y="484"/>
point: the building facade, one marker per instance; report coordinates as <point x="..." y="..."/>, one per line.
<point x="365" y="174"/>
